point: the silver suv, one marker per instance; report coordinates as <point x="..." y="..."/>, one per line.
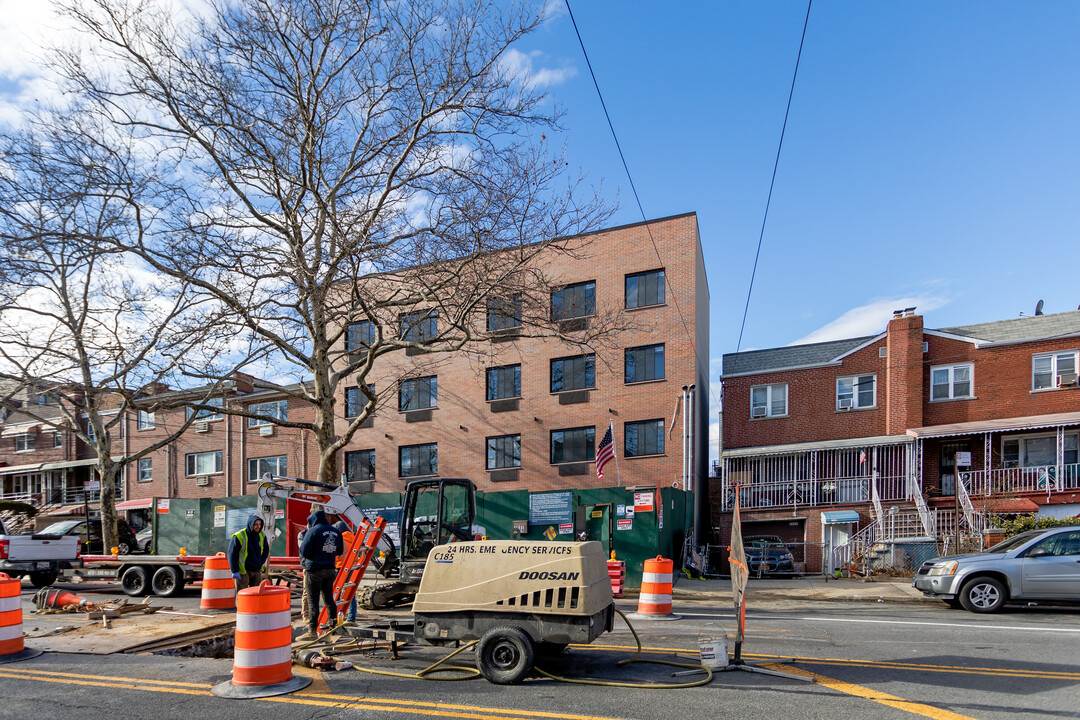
<point x="1034" y="565"/>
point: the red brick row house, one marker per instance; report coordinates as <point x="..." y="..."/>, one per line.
<point x="856" y="441"/>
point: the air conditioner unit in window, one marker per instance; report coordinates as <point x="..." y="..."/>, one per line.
<point x="202" y="480"/>
<point x="1066" y="380"/>
<point x="202" y="427"/>
<point x="844" y="404"/>
<point x="266" y="430"/>
<point x="758" y="412"/>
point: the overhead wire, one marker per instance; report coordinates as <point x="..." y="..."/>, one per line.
<point x="772" y="183"/>
<point x="637" y="200"/>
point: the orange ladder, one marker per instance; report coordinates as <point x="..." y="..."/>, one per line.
<point x="357" y="556"/>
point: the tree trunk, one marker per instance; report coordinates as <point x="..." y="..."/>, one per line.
<point x="110" y="538"/>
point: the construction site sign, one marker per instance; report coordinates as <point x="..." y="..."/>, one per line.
<point x="643" y="501"/>
<point x="550" y="533"/>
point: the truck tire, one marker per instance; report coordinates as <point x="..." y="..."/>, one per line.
<point x="983" y="595"/>
<point x="42" y="578"/>
<point x="135" y="581"/>
<point x="168" y="581"/>
<point x="505" y="655"/>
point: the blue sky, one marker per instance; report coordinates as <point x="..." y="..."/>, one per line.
<point x="931" y="156"/>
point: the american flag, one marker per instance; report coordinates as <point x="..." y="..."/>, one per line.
<point x="605" y="451"/>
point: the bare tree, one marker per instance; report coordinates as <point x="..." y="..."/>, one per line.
<point x="82" y="326"/>
<point x="363" y="178"/>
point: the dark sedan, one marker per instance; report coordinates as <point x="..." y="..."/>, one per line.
<point x="768" y="555"/>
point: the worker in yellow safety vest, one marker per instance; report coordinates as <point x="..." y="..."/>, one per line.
<point x="249" y="554"/>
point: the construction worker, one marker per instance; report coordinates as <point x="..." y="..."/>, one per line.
<point x="347" y="538"/>
<point x="249" y="553"/>
<point x="322" y="544"/>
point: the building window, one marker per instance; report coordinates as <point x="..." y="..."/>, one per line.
<point x="206" y="413"/>
<point x="644" y="289"/>
<point x="951" y="382"/>
<point x="355" y="401"/>
<point x="418" y="393"/>
<point x="503" y="451"/>
<point x="419" y="327"/>
<point x="145" y="420"/>
<point x="205" y="463"/>
<point x="644" y="363"/>
<point x="504" y="382"/>
<point x="1053" y="370"/>
<point x="644" y="438"/>
<point x="768" y="400"/>
<point x="573" y="373"/>
<point x="24" y="443"/>
<point x="503" y="313"/>
<point x="1038" y="451"/>
<point x="573" y="445"/>
<point x="257" y="467"/>
<point x="414" y="460"/>
<point x="856" y="392"/>
<point x="146" y="469"/>
<point x="278" y="410"/>
<point x="360" y="465"/>
<point x="573" y="301"/>
<point x="359" y="335"/>
<point x="58" y="439"/>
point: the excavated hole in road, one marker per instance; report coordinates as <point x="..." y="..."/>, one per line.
<point x="210" y="648"/>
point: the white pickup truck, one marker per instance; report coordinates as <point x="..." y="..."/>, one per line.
<point x="42" y="557"/>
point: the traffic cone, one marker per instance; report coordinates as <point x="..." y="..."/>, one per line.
<point x="11" y="632"/>
<point x="61" y="598"/>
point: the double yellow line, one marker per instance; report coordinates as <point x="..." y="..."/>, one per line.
<point x="413" y="707"/>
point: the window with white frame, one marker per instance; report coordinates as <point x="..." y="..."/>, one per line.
<point x="146" y="469"/>
<point x="207" y="413"/>
<point x="951" y="382"/>
<point x="859" y="391"/>
<point x="24" y="443"/>
<point x="205" y="463"/>
<point x="145" y="421"/>
<point x="58" y="438"/>
<point x="1038" y="450"/>
<point x="1051" y="370"/>
<point x="279" y="410"/>
<point x="257" y="467"/>
<point x="768" y="400"/>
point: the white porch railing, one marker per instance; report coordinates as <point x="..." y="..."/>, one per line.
<point x="1039" y="478"/>
<point x="856" y="548"/>
<point x="823" y="491"/>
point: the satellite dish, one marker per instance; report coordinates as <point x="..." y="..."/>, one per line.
<point x="1039" y="307"/>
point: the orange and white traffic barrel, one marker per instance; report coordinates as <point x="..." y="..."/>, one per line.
<point x="218" y="588"/>
<point x="262" y="657"/>
<point x="654" y="599"/>
<point x="11" y="632"/>
<point x="616" y="570"/>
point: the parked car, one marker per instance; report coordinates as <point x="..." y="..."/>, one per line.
<point x="768" y="555"/>
<point x="144" y="539"/>
<point x="89" y="534"/>
<point x="1039" y="565"/>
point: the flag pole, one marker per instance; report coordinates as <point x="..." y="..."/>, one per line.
<point x="615" y="452"/>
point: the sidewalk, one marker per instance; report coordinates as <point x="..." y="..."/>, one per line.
<point x="811" y="587"/>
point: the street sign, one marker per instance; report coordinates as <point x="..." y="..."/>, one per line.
<point x="92" y="484"/>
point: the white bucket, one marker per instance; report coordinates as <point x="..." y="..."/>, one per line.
<point x="714" y="652"/>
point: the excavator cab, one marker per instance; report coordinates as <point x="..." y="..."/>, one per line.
<point x="435" y="512"/>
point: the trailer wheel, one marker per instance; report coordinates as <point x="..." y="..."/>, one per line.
<point x="168" y="581"/>
<point x="135" y="581"/>
<point x="42" y="578"/>
<point x="505" y="655"/>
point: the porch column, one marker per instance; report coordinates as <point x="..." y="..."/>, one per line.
<point x="988" y="454"/>
<point x="813" y="478"/>
<point x="1059" y="457"/>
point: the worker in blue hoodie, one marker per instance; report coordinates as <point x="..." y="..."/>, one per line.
<point x="320" y="548"/>
<point x="249" y="553"/>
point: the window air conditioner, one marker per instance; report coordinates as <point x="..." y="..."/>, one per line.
<point x="266" y="430"/>
<point x="202" y="427"/>
<point x="844" y="404"/>
<point x="202" y="480"/>
<point x="1066" y="380"/>
<point x="758" y="412"/>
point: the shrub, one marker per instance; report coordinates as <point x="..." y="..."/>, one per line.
<point x="1021" y="523"/>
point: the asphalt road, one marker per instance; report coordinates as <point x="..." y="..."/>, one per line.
<point x="870" y="660"/>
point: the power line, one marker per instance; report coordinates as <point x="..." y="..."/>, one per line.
<point x="772" y="183"/>
<point x="637" y="200"/>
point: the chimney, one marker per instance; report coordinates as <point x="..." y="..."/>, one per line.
<point x="904" y="372"/>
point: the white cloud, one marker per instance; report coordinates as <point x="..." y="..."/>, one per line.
<point x="870" y="319"/>
<point x="522" y="65"/>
